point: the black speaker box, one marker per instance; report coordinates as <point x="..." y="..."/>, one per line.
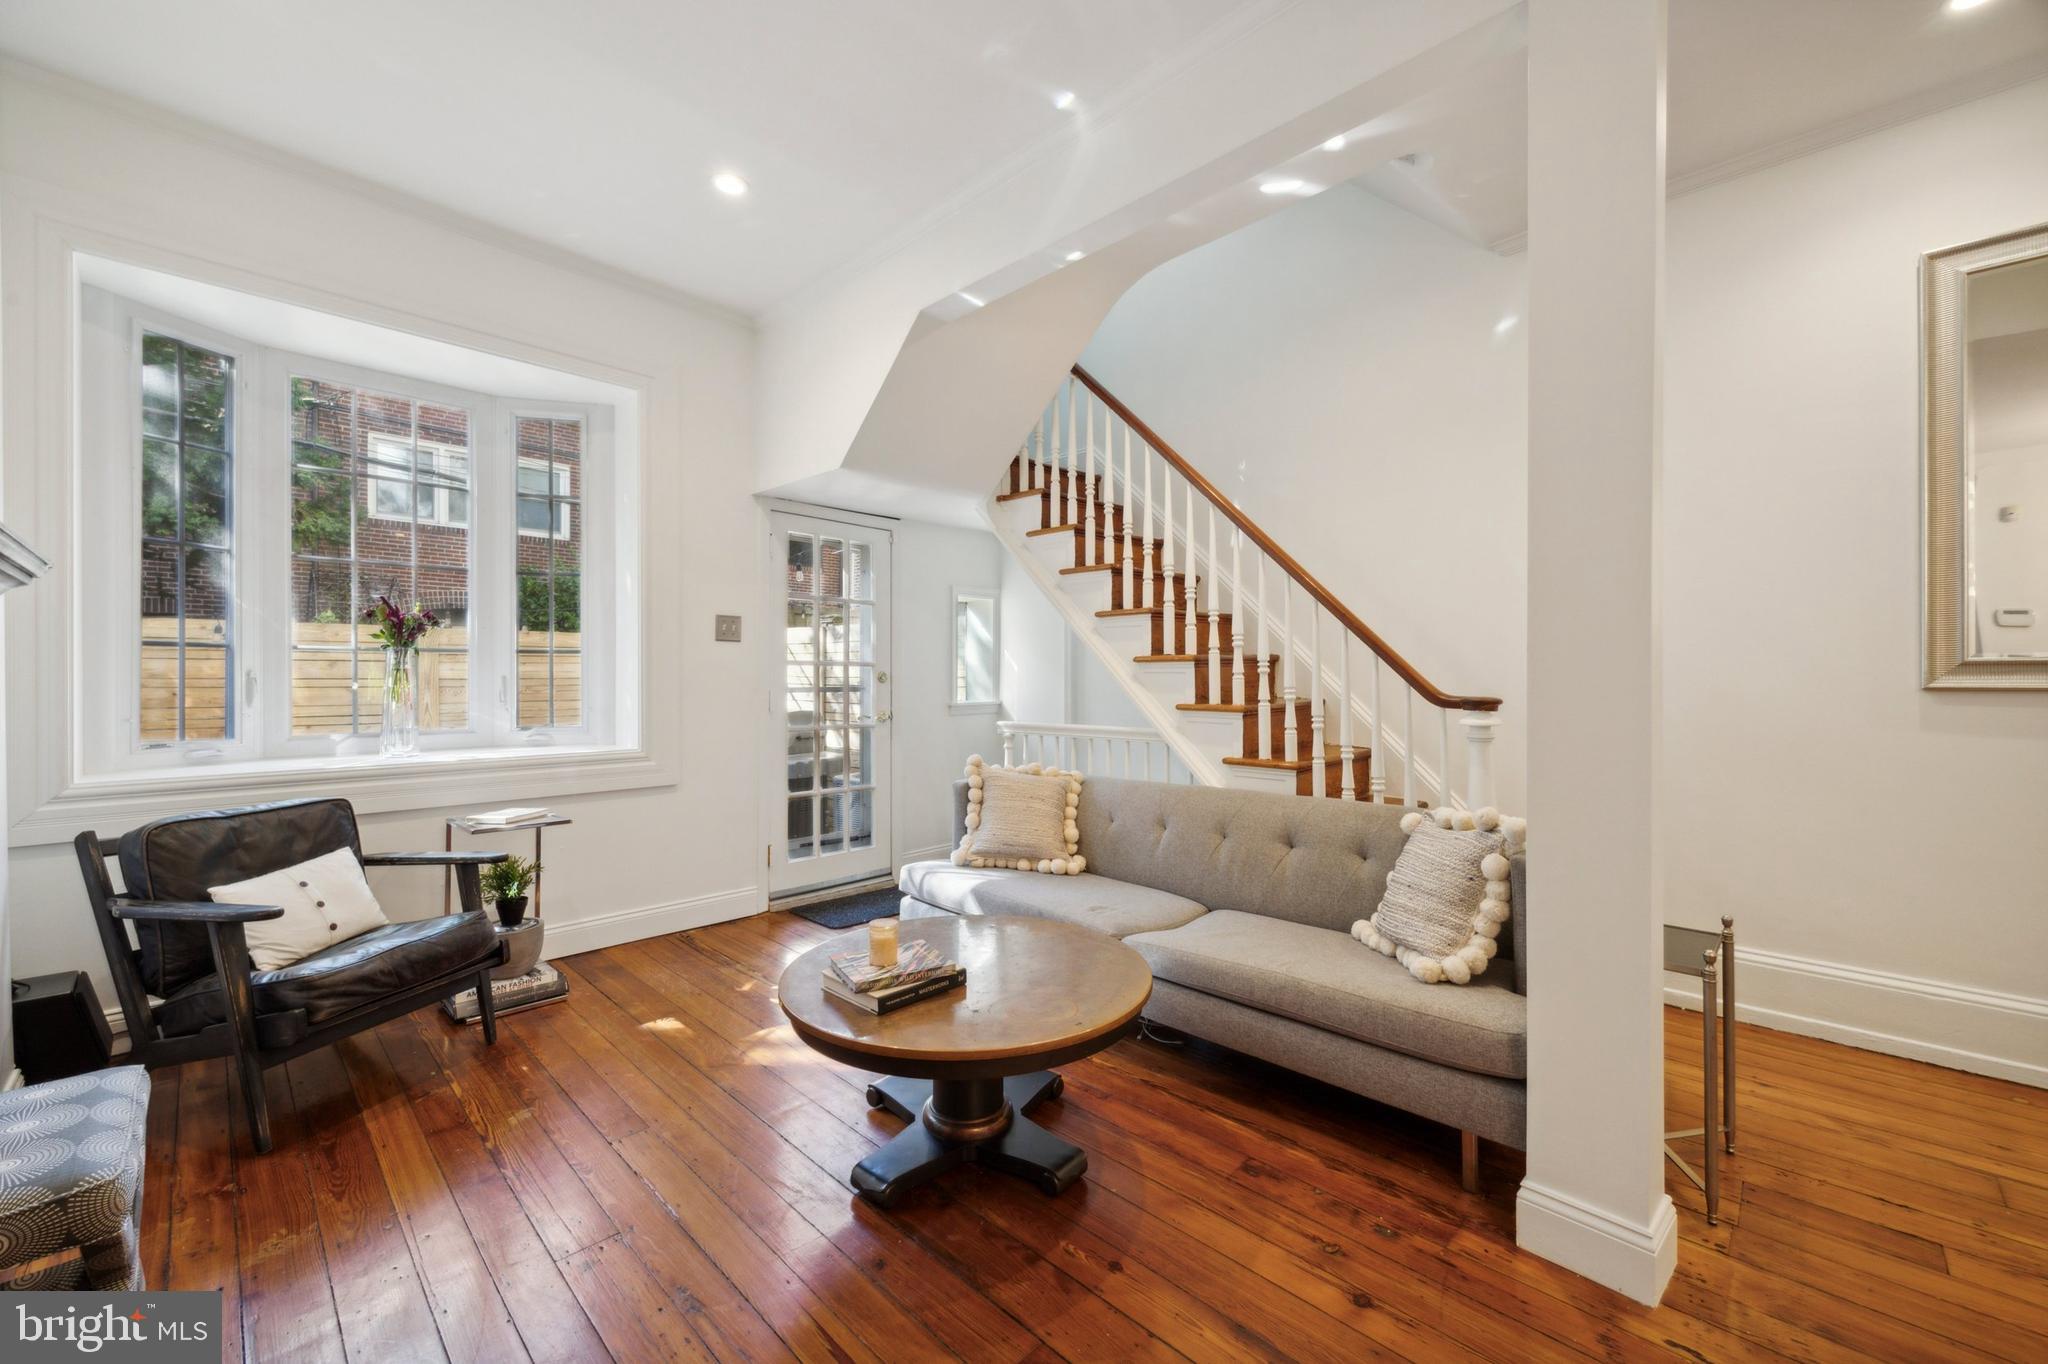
<point x="59" y="1029"/>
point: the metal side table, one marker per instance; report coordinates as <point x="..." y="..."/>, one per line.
<point x="1711" y="957"/>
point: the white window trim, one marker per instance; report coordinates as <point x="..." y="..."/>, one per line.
<point x="994" y="703"/>
<point x="111" y="762"/>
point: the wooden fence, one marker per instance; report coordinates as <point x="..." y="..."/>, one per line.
<point x="323" y="683"/>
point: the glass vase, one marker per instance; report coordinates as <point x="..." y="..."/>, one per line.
<point x="401" y="738"/>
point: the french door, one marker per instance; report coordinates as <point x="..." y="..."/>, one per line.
<point x="832" y="707"/>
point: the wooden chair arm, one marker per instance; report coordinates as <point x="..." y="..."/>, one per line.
<point x="190" y="911"/>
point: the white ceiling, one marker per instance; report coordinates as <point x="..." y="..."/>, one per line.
<point x="597" y="126"/>
<point x="1748" y="82"/>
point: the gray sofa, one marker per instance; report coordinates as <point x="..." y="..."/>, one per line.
<point x="1243" y="903"/>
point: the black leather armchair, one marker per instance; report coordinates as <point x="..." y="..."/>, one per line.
<point x="186" y="986"/>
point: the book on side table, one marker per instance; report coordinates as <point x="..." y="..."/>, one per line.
<point x="919" y="972"/>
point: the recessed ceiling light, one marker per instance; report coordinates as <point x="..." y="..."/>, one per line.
<point x="1279" y="186"/>
<point x="728" y="184"/>
<point x="1073" y="256"/>
<point x="1335" y="144"/>
<point x="1959" y="6"/>
<point x="1063" y="99"/>
<point x="971" y="298"/>
<point x="1506" y="324"/>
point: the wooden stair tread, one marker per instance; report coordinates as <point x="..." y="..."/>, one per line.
<point x="1125" y="611"/>
<point x="1020" y="495"/>
<point x="1332" y="754"/>
<point x="1167" y="658"/>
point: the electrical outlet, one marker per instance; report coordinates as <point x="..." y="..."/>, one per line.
<point x="728" y="630"/>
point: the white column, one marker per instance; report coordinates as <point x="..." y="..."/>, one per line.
<point x="1479" y="727"/>
<point x="1593" y="1199"/>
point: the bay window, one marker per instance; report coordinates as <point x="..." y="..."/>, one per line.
<point x="274" y="495"/>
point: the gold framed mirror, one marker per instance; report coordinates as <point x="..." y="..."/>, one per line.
<point x="1984" y="463"/>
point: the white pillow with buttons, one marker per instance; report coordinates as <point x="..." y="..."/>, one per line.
<point x="325" y="901"/>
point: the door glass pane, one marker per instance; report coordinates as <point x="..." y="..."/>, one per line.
<point x="800" y="845"/>
<point x="803" y="580"/>
<point x="860" y="819"/>
<point x="831" y="824"/>
<point x="831" y="567"/>
<point x="860" y="574"/>
<point x="860" y="757"/>
<point x="802" y="758"/>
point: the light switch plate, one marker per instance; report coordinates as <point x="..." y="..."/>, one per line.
<point x="728" y="630"/>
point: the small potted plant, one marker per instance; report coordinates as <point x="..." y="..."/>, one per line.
<point x="505" y="885"/>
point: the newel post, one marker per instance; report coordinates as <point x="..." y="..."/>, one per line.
<point x="1479" y="728"/>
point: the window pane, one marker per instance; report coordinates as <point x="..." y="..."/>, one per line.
<point x="185" y="675"/>
<point x="800" y="828"/>
<point x="534" y="516"/>
<point x="831" y="567"/>
<point x="533" y="688"/>
<point x="380" y="508"/>
<point x="860" y="819"/>
<point x="974" y="644"/>
<point x="860" y="574"/>
<point x="802" y="758"/>
<point x="802" y="562"/>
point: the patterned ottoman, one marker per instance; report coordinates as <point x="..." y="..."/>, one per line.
<point x="71" y="1177"/>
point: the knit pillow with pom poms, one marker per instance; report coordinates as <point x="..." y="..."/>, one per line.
<point x="1025" y="818"/>
<point x="1447" y="895"/>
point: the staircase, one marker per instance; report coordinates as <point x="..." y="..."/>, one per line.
<point x="1193" y="608"/>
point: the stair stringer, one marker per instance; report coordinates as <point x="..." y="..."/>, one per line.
<point x="1163" y="718"/>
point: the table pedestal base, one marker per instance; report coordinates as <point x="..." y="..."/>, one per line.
<point x="956" y="1121"/>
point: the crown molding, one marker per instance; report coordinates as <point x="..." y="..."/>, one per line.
<point x="19" y="565"/>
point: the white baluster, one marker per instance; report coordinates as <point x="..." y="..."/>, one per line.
<point x="1090" y="485"/>
<point x="1148" y="558"/>
<point x="1377" y="784"/>
<point x="1344" y="751"/>
<point x="1321" y="784"/>
<point x="1215" y="614"/>
<point x="1409" y="785"/>
<point x="1443" y="757"/>
<point x="1237" y="615"/>
<point x="1265" y="666"/>
<point x="1191" y="614"/>
<point x="1067" y="474"/>
<point x="1111" y="547"/>
<point x="1134" y="565"/>
<point x="1291" y="749"/>
<point x="1167" y="643"/>
<point x="1009" y="741"/>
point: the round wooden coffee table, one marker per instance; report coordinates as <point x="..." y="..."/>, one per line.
<point x="964" y="1067"/>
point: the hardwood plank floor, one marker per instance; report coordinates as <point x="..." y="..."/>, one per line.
<point x="655" y="1169"/>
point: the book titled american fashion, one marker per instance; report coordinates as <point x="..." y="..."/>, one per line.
<point x="887" y="1001"/>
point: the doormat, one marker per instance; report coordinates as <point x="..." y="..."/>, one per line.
<point x="849" y="911"/>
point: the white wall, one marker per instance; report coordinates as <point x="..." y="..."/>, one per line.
<point x="929" y="742"/>
<point x="1341" y="371"/>
<point x="1846" y="817"/>
<point x="1871" y="838"/>
<point x="74" y="162"/>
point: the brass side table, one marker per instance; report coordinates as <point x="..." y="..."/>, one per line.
<point x="1711" y="957"/>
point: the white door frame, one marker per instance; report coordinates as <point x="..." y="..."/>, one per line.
<point x="781" y="878"/>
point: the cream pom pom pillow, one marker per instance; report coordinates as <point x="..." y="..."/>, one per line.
<point x="1022" y="817"/>
<point x="1447" y="895"/>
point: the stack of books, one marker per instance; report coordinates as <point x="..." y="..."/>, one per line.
<point x="918" y="973"/>
<point x="511" y="817"/>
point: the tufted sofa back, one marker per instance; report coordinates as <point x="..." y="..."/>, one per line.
<point x="1317" y="862"/>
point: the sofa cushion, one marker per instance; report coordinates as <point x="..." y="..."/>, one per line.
<point x="363" y="971"/>
<point x="1329" y="980"/>
<point x="1113" y="907"/>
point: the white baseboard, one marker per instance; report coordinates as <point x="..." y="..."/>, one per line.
<point x="566" y="938"/>
<point x="1958" y="1026"/>
<point x="15" y="1080"/>
<point x="937" y="854"/>
<point x="1629" y="1259"/>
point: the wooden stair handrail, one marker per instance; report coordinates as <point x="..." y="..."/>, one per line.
<point x="1337" y="609"/>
